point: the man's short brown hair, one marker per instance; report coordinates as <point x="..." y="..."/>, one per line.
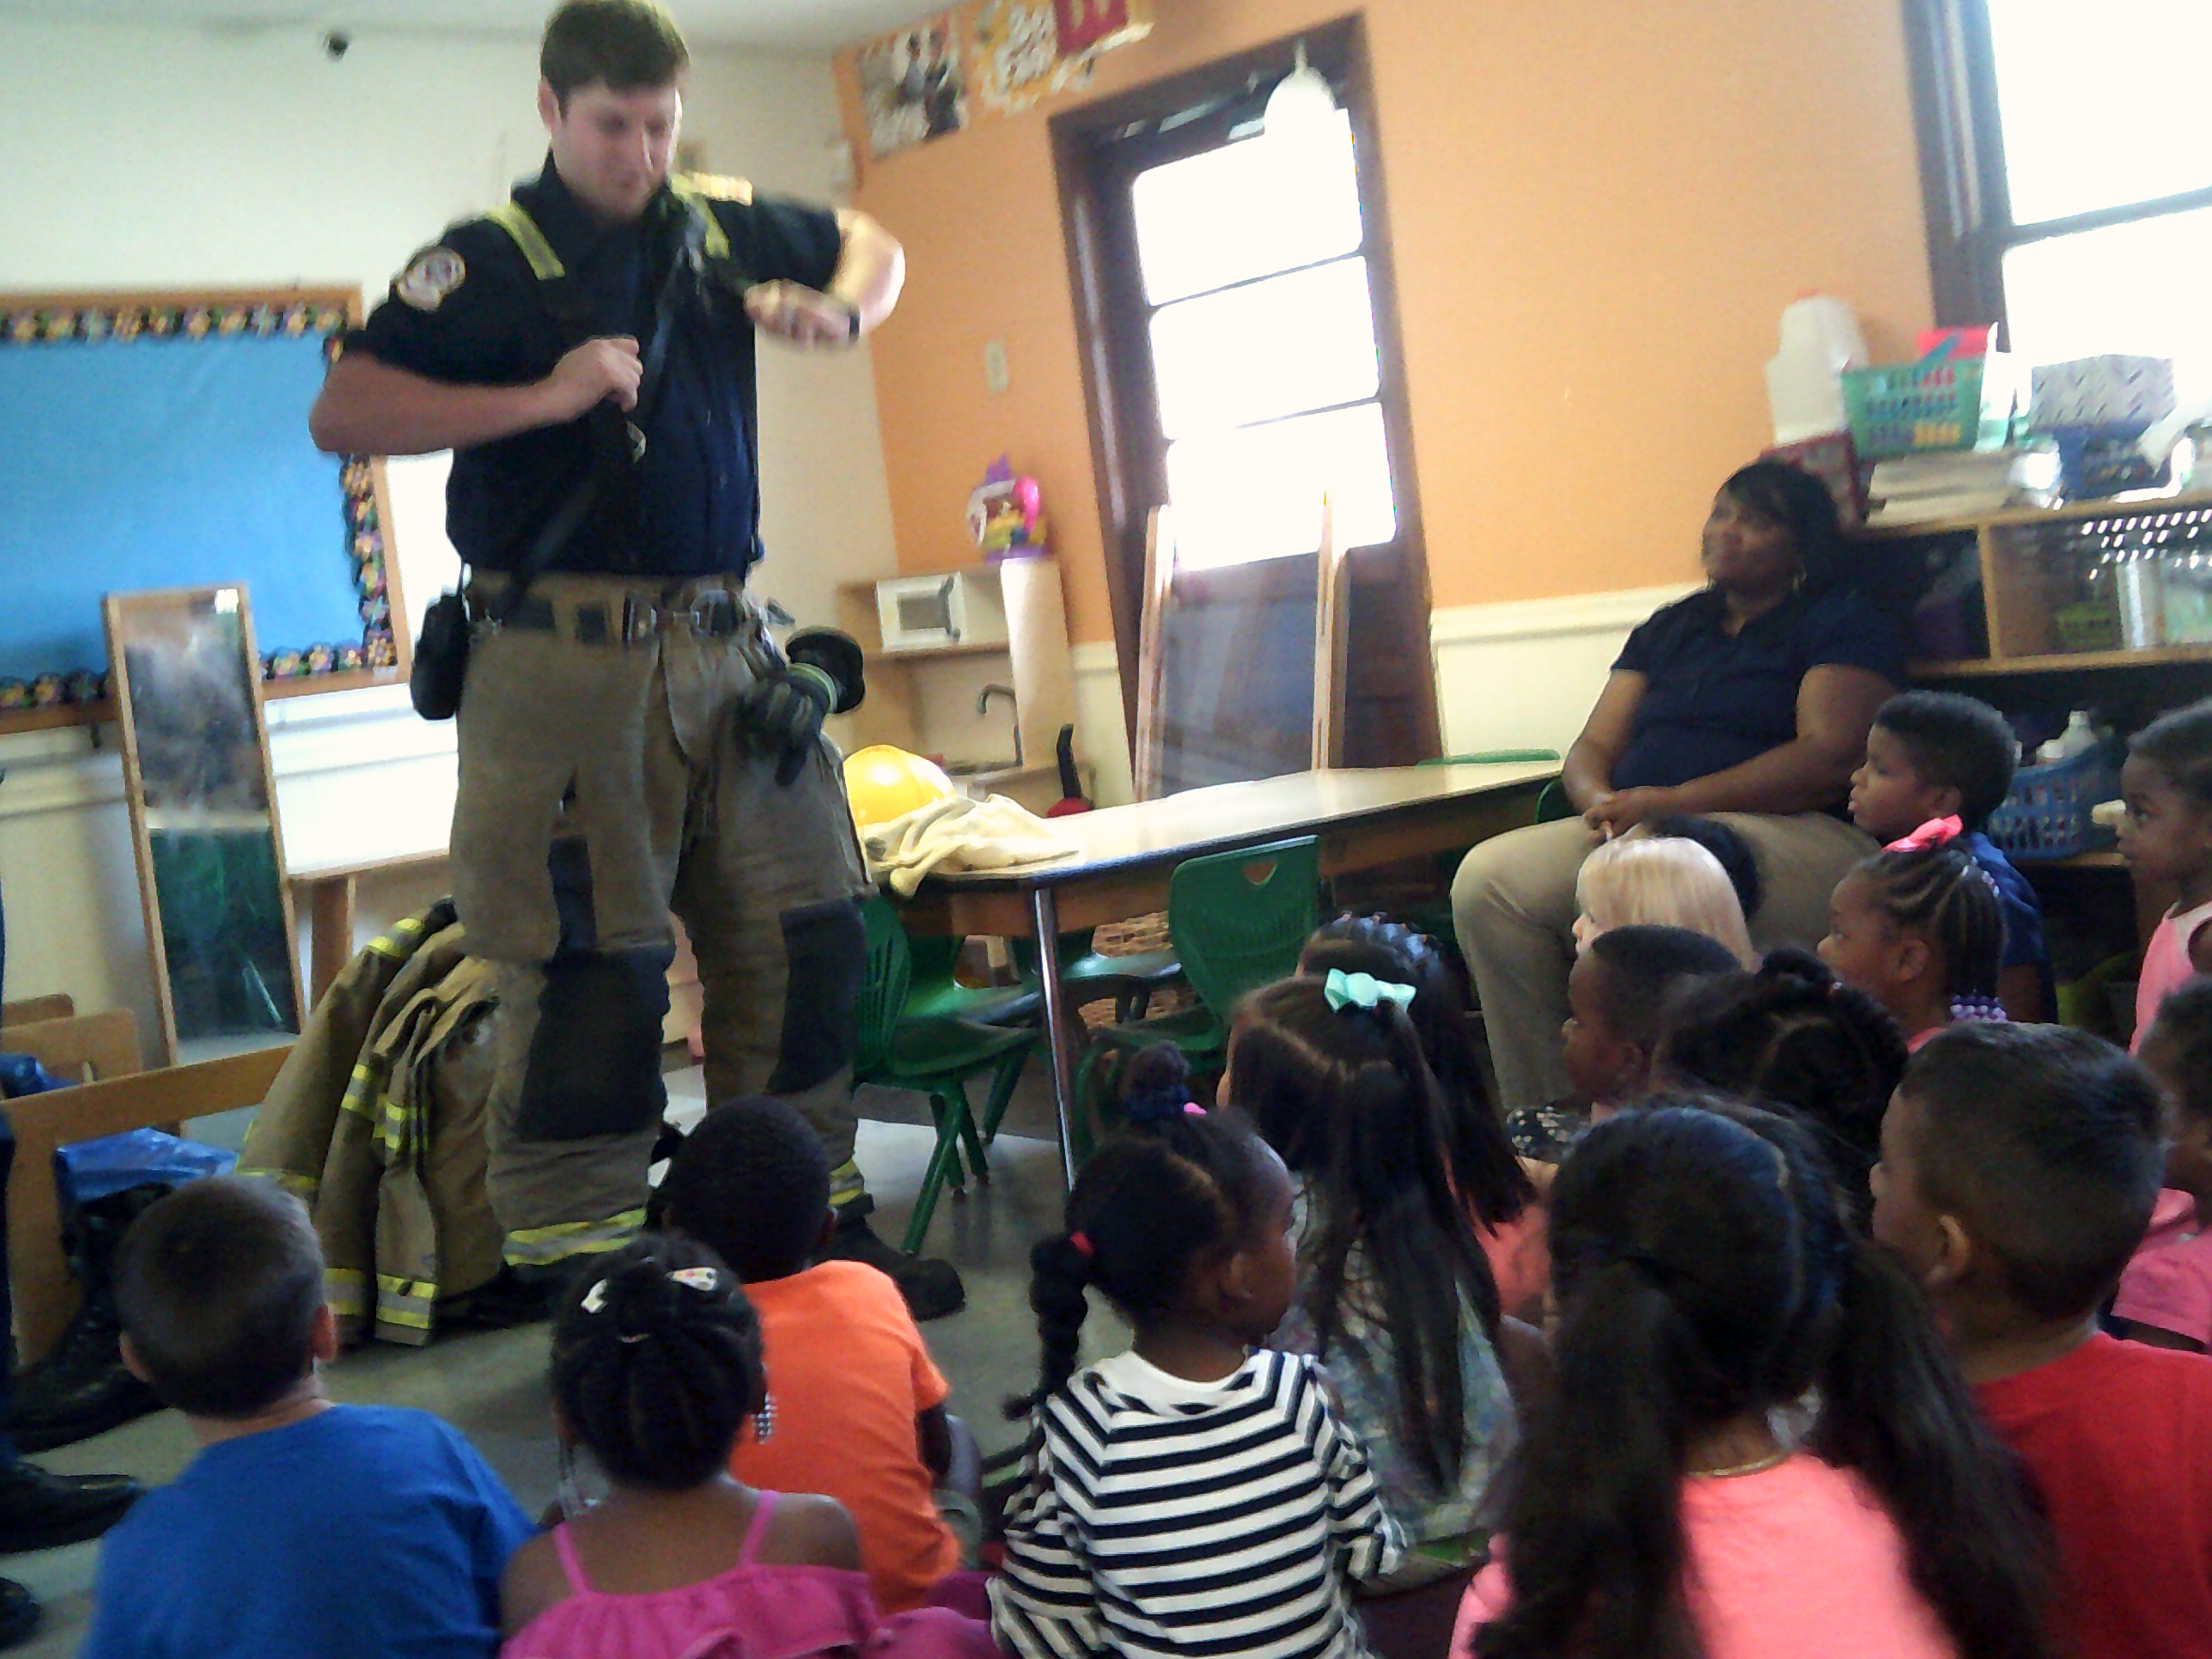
<point x="624" y="43"/>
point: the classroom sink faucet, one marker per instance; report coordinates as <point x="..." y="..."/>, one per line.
<point x="982" y="707"/>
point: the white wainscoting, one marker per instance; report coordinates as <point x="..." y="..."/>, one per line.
<point x="1523" y="674"/>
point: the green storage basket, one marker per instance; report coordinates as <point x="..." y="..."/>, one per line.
<point x="1942" y="401"/>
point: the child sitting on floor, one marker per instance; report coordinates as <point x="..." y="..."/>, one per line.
<point x="855" y="1408"/>
<point x="302" y="1528"/>
<point x="2019" y="1163"/>
<point x="1940" y="755"/>
<point x="1479" y="1157"/>
<point x="1395" y="1298"/>
<point x="1918" y="929"/>
<point x="1792" y="1035"/>
<point x="2165" y="1293"/>
<point x="2166" y="835"/>
<point x="1660" y="1506"/>
<point x="1660" y="881"/>
<point x="656" y="1366"/>
<point x="1195" y="1494"/>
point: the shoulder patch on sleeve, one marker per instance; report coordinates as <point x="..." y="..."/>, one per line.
<point x="430" y="276"/>
<point x="720" y="187"/>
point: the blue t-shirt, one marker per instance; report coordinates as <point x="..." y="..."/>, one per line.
<point x="364" y="1530"/>
<point x="2024" y="946"/>
<point x="1711" y="702"/>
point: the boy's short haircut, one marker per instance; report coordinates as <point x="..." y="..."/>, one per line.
<point x="2184" y="1024"/>
<point x="2044" y="1141"/>
<point x="1646" y="967"/>
<point x="217" y="1286"/>
<point x="625" y="45"/>
<point x="1956" y="740"/>
<point x="752" y="1184"/>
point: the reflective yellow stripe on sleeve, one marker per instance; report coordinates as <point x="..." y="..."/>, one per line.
<point x="716" y="244"/>
<point x="539" y="1247"/>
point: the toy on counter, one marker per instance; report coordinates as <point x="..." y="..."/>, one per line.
<point x="1005" y="514"/>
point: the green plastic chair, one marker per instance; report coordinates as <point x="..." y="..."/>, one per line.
<point x="934" y="992"/>
<point x="933" y="1056"/>
<point x="1234" y="931"/>
<point x="1434" y="917"/>
<point x="1091" y="976"/>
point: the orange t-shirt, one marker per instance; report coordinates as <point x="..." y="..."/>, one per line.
<point x="848" y="1374"/>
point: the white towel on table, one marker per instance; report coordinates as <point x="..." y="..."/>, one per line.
<point x="956" y="835"/>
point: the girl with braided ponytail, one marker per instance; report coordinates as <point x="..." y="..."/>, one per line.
<point x="1920" y="929"/>
<point x="1191" y="1495"/>
<point x="1793" y="1035"/>
<point x="1659" y="1509"/>
<point x="656" y="1367"/>
<point x="1395" y="1296"/>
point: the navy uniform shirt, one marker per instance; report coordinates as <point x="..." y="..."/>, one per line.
<point x="470" y="311"/>
<point x="1711" y="702"/>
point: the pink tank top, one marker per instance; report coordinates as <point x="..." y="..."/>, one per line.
<point x="754" y="1610"/>
<point x="2166" y="965"/>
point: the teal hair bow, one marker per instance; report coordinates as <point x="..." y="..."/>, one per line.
<point x="1345" y="990"/>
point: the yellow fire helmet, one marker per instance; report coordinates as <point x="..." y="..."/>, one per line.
<point x="883" y="782"/>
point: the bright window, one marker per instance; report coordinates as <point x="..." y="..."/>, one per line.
<point x="1261" y="325"/>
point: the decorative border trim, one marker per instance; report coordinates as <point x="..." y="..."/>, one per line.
<point x="130" y="321"/>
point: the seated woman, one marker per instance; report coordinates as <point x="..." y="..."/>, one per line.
<point x="1749" y="701"/>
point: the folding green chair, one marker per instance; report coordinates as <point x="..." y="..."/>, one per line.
<point x="1237" y="921"/>
<point x="933" y="1056"/>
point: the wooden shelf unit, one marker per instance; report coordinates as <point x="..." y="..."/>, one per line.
<point x="2027" y="559"/>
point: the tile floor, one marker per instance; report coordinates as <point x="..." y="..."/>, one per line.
<point x="490" y="1384"/>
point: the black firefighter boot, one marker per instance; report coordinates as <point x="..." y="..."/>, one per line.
<point x="80" y="1388"/>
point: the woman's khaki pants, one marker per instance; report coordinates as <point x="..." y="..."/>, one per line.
<point x="1513" y="907"/>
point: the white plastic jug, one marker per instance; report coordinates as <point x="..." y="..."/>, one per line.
<point x="1821" y="339"/>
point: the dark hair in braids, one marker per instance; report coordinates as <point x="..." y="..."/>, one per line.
<point x="656" y="1374"/>
<point x="2179" y="745"/>
<point x="1154" y="1200"/>
<point x="1941" y="893"/>
<point x="1480" y="1156"/>
<point x="1347" y="1099"/>
<point x="1703" y="1272"/>
<point x="2182" y="1028"/>
<point x="1792" y="1035"/>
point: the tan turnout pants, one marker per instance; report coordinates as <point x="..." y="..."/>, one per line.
<point x="1513" y="907"/>
<point x="603" y="783"/>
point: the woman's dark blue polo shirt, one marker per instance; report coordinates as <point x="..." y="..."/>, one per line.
<point x="1711" y="702"/>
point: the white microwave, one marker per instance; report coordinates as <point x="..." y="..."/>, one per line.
<point x="924" y="613"/>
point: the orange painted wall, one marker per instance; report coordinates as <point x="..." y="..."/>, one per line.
<point x="1598" y="210"/>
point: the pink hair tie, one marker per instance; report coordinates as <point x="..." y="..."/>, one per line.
<point x="1192" y="1108"/>
<point x="1937" y="832"/>
<point x="1081" y="1242"/>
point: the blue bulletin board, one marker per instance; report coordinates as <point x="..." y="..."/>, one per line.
<point x="161" y="442"/>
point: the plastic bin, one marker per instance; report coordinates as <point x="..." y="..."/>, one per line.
<point x="1942" y="401"/>
<point x="2046" y="815"/>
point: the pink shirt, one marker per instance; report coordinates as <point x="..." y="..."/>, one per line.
<point x="1798" y="1562"/>
<point x="2166" y="965"/>
<point x="2169" y="1282"/>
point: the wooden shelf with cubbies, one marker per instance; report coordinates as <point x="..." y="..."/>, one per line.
<point x="2050" y="578"/>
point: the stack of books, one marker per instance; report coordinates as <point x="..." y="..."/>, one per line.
<point x="1957" y="484"/>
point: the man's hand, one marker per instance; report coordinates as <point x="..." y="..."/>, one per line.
<point x="606" y="366"/>
<point x="800" y="314"/>
<point x="782" y="712"/>
<point x="1618" y="811"/>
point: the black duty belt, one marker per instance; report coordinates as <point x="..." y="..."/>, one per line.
<point x="634" y="622"/>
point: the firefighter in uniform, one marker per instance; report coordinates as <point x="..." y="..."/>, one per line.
<point x="631" y="740"/>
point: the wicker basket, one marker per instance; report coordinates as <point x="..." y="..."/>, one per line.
<point x="2046" y="815"/>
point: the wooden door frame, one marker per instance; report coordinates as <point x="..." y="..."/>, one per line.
<point x="1113" y="344"/>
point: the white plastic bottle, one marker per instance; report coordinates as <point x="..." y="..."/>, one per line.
<point x="2078" y="739"/>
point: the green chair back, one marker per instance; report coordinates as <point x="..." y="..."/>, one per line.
<point x="882" y="994"/>
<point x="1238" y="920"/>
<point x="1551" y="803"/>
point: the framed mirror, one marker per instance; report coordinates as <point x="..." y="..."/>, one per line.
<point x="187" y="691"/>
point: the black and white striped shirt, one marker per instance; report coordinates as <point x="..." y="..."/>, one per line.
<point x="1164" y="1517"/>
